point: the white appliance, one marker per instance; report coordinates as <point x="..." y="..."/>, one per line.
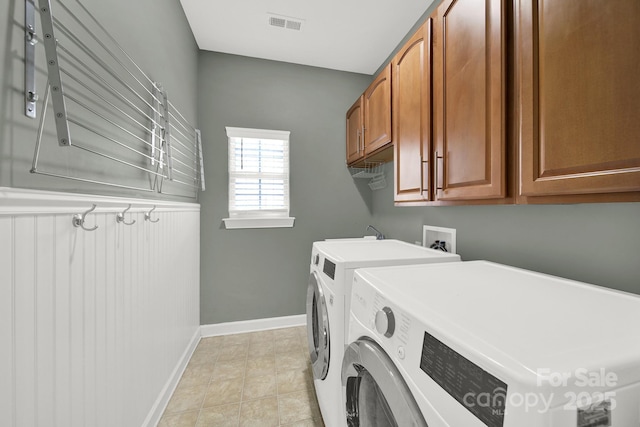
<point x="333" y="263"/>
<point x="477" y="344"/>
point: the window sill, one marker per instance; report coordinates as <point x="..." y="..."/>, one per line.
<point x="236" y="223"/>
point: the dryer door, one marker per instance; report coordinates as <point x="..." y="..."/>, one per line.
<point x="374" y="392"/>
<point x="317" y="327"/>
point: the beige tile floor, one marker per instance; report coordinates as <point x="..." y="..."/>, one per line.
<point x="258" y="379"/>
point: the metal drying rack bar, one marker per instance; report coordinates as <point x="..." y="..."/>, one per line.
<point x="109" y="111"/>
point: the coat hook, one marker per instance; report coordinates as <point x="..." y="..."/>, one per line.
<point x="78" y="219"/>
<point x="147" y="215"/>
<point x="120" y="217"/>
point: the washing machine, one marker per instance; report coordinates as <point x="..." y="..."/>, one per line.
<point x="333" y="263"/>
<point x="477" y="344"/>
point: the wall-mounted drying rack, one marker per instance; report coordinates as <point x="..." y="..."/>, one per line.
<point x="372" y="171"/>
<point x="114" y="125"/>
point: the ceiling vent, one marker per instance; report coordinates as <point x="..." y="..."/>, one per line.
<point x="277" y="22"/>
<point x="294" y="25"/>
<point x="285" y="22"/>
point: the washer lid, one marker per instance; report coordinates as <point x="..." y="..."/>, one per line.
<point x="358" y="253"/>
<point x="518" y="321"/>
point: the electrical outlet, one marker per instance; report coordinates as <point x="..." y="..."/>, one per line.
<point x="436" y="235"/>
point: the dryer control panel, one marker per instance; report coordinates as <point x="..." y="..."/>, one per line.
<point x="329" y="268"/>
<point x="464" y="380"/>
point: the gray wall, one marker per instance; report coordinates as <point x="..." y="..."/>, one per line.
<point x="155" y="33"/>
<point x="593" y="243"/>
<point x="260" y="273"/>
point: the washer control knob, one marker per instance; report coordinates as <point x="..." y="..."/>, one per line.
<point x="385" y="322"/>
<point x="316" y="259"/>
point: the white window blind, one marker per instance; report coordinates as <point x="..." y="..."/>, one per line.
<point x="258" y="173"/>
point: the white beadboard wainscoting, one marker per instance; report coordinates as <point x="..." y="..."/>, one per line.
<point x="95" y="326"/>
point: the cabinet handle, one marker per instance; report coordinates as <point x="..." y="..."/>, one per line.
<point x="436" y="170"/>
<point x="358" y="141"/>
<point x="422" y="175"/>
<point x="362" y="138"/>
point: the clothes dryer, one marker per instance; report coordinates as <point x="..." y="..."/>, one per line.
<point x="478" y="344"/>
<point x="333" y="263"/>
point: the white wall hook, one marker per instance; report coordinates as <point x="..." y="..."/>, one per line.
<point x="147" y="216"/>
<point x="78" y="220"/>
<point x="120" y="217"/>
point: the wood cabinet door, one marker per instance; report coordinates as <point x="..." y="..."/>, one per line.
<point x="411" y="93"/>
<point x="377" y="112"/>
<point x="355" y="149"/>
<point x="578" y="65"/>
<point x="469" y="100"/>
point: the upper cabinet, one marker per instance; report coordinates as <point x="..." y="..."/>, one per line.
<point x="371" y="114"/>
<point x="355" y="151"/>
<point x="377" y="112"/>
<point x="469" y="96"/>
<point x="411" y="70"/>
<point x="499" y="101"/>
<point x="577" y="68"/>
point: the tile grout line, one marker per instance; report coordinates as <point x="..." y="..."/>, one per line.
<point x="275" y="367"/>
<point x="244" y="381"/>
<point x="217" y="357"/>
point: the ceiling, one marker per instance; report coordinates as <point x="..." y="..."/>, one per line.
<point x="346" y="35"/>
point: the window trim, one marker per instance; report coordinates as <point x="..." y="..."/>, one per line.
<point x="266" y="219"/>
<point x="281" y="222"/>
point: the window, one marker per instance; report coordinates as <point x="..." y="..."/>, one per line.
<point x="258" y="178"/>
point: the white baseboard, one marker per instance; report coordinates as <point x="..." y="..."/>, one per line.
<point x="153" y="418"/>
<point x="252" y="325"/>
